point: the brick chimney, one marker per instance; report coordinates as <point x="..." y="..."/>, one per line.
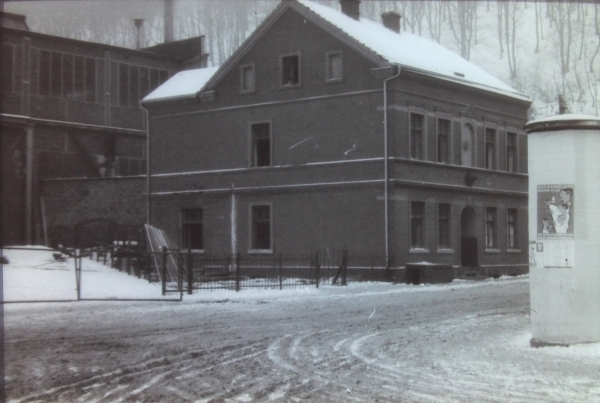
<point x="168" y="21"/>
<point x="391" y="20"/>
<point x="351" y="8"/>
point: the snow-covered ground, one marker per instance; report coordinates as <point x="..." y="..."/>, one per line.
<point x="458" y="342"/>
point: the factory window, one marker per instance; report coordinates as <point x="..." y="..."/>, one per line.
<point x="261" y="144"/>
<point x="511" y="152"/>
<point x="511" y="228"/>
<point x="261" y="228"/>
<point x="490" y="228"/>
<point x="192" y="229"/>
<point x="417" y="224"/>
<point x="65" y="75"/>
<point x="290" y="70"/>
<point x="444" y="225"/>
<point x="416" y="136"/>
<point x="443" y="141"/>
<point x="335" y="66"/>
<point x="490" y="148"/>
<point x="136" y="82"/>
<point x="248" y="78"/>
<point x="7" y="67"/>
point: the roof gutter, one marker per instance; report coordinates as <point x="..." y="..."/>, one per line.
<point x="386" y="166"/>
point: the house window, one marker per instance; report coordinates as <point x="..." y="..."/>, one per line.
<point x="416" y="136"/>
<point x="490" y="149"/>
<point x="490" y="227"/>
<point x="444" y="225"/>
<point x="443" y="140"/>
<point x="335" y="71"/>
<point x="248" y="83"/>
<point x="417" y="221"/>
<point x="511" y="228"/>
<point x="290" y="70"/>
<point x="261" y="227"/>
<point x="511" y="151"/>
<point x="192" y="229"/>
<point x="261" y="144"/>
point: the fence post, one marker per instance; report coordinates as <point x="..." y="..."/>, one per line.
<point x="190" y="271"/>
<point x="345" y="267"/>
<point x="164" y="270"/>
<point x="237" y="271"/>
<point x="280" y="272"/>
<point x="78" y="272"/>
<point x="317" y="268"/>
<point x="128" y="254"/>
<point x="104" y="257"/>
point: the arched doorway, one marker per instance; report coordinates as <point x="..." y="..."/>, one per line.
<point x="468" y="237"/>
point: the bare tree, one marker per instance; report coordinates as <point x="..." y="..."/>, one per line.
<point x="462" y="16"/>
<point x="435" y="12"/>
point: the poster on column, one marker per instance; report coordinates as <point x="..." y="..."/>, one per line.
<point x="556" y="209"/>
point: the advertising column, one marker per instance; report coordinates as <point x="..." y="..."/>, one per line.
<point x="564" y="229"/>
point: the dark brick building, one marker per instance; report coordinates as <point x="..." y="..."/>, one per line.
<point x="328" y="131"/>
<point x="70" y="109"/>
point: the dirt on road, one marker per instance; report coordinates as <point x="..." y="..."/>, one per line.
<point x="461" y="342"/>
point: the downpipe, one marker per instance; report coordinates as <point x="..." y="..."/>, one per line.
<point x="386" y="166"/>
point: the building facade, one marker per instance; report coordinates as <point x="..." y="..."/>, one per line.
<point x="70" y="109"/>
<point x="328" y="131"/>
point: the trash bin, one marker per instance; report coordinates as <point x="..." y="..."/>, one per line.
<point x="428" y="273"/>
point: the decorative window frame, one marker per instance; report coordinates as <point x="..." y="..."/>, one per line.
<point x="517" y="133"/>
<point x="283" y="86"/>
<point x="181" y="223"/>
<point x="328" y="79"/>
<point x="496" y="129"/>
<point x="251" y="151"/>
<point x="423" y="248"/>
<point x="445" y="116"/>
<point x="243" y="67"/>
<point x="450" y="247"/>
<point x="515" y="248"/>
<point x="412" y="110"/>
<point x="252" y="250"/>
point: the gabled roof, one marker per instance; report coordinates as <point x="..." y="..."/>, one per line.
<point x="381" y="45"/>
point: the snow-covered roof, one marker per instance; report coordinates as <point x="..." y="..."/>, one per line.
<point x="565" y="117"/>
<point x="183" y="84"/>
<point x="412" y="51"/>
<point x="407" y="50"/>
<point x="568" y="121"/>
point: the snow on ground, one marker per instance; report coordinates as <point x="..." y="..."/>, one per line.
<point x="38" y="276"/>
<point x="467" y="341"/>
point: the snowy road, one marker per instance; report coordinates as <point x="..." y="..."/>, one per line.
<point x="463" y="342"/>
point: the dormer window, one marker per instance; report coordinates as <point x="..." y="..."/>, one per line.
<point x="290" y="70"/>
<point x="248" y="78"/>
<point x="335" y="70"/>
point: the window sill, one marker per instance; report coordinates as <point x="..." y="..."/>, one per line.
<point x="445" y="251"/>
<point x="194" y="251"/>
<point x="290" y="86"/>
<point x="260" y="252"/>
<point x="513" y="250"/>
<point x="491" y="250"/>
<point x="248" y="92"/>
<point x="418" y="250"/>
<point x="334" y="80"/>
